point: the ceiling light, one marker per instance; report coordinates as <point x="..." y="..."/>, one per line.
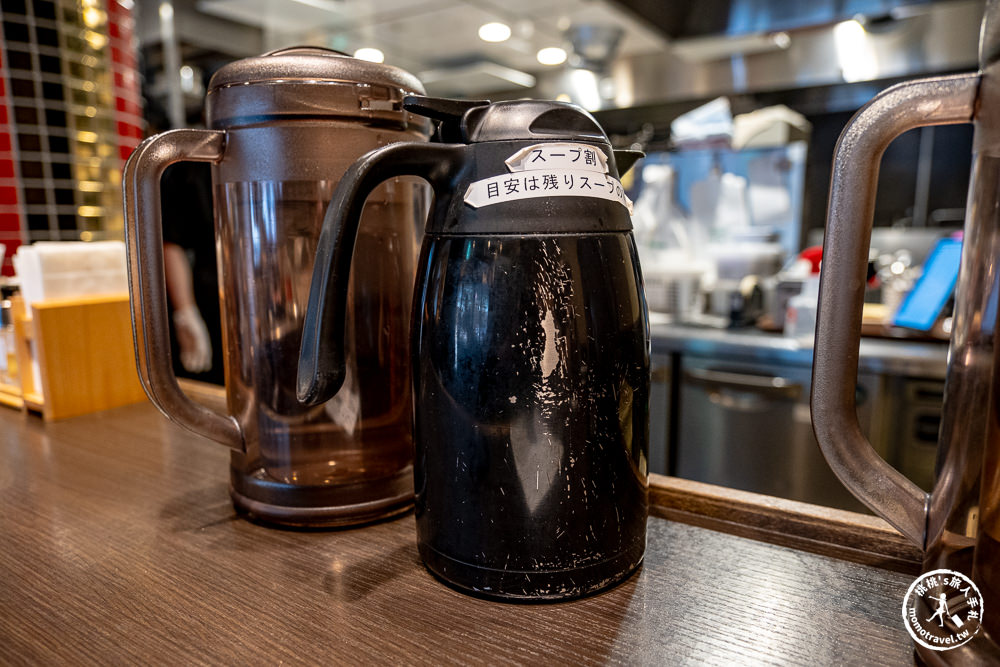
<point x="494" y="32"/>
<point x="370" y="54"/>
<point x="584" y="85"/>
<point x="552" y="55"/>
<point x="855" y="51"/>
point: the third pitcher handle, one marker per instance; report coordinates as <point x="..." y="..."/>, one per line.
<point x="937" y="101"/>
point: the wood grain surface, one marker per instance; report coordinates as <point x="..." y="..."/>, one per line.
<point x="118" y="544"/>
<point x="859" y="538"/>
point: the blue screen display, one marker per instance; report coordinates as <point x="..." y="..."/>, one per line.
<point x="922" y="306"/>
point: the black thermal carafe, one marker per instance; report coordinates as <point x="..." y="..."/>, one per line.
<point x="530" y="347"/>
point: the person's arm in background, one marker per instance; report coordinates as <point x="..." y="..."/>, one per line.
<point x="192" y="335"/>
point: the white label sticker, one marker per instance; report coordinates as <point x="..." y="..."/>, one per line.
<point x="557" y="155"/>
<point x="547" y="183"/>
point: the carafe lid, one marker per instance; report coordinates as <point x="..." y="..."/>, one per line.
<point x="479" y="121"/>
<point x="474" y="122"/>
<point x="308" y="81"/>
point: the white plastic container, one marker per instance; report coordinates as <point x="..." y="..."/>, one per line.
<point x="62" y="270"/>
<point x="673" y="285"/>
<point x="800" y="315"/>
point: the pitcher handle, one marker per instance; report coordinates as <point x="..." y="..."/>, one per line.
<point x="936" y="101"/>
<point x="321" y="356"/>
<point x="147" y="286"/>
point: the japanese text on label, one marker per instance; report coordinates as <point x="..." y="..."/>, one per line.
<point x="558" y="155"/>
<point x="548" y="183"/>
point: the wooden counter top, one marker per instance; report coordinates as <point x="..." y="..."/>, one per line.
<point x="118" y="544"/>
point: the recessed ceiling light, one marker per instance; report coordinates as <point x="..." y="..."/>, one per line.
<point x="494" y="32"/>
<point x="368" y="53"/>
<point x="552" y="55"/>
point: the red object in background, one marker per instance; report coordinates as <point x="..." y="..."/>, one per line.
<point x="9" y="222"/>
<point x="128" y="99"/>
<point x="11" y="233"/>
<point x="814" y="254"/>
<point x="128" y="116"/>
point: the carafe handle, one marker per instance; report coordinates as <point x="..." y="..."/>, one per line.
<point x="937" y="101"/>
<point x="147" y="287"/>
<point x="321" y="357"/>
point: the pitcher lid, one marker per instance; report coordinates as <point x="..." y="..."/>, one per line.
<point x="303" y="81"/>
<point x="311" y="63"/>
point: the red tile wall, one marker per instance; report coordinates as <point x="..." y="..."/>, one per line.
<point x="128" y="99"/>
<point x="11" y="222"/>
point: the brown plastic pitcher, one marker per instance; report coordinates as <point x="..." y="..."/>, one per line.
<point x="958" y="523"/>
<point x="284" y="128"/>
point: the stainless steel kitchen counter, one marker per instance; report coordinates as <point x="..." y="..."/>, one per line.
<point x="878" y="355"/>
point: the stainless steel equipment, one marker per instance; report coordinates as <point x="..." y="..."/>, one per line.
<point x="912" y="414"/>
<point x="746" y="425"/>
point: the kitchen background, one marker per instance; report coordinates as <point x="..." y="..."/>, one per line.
<point x="737" y="103"/>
